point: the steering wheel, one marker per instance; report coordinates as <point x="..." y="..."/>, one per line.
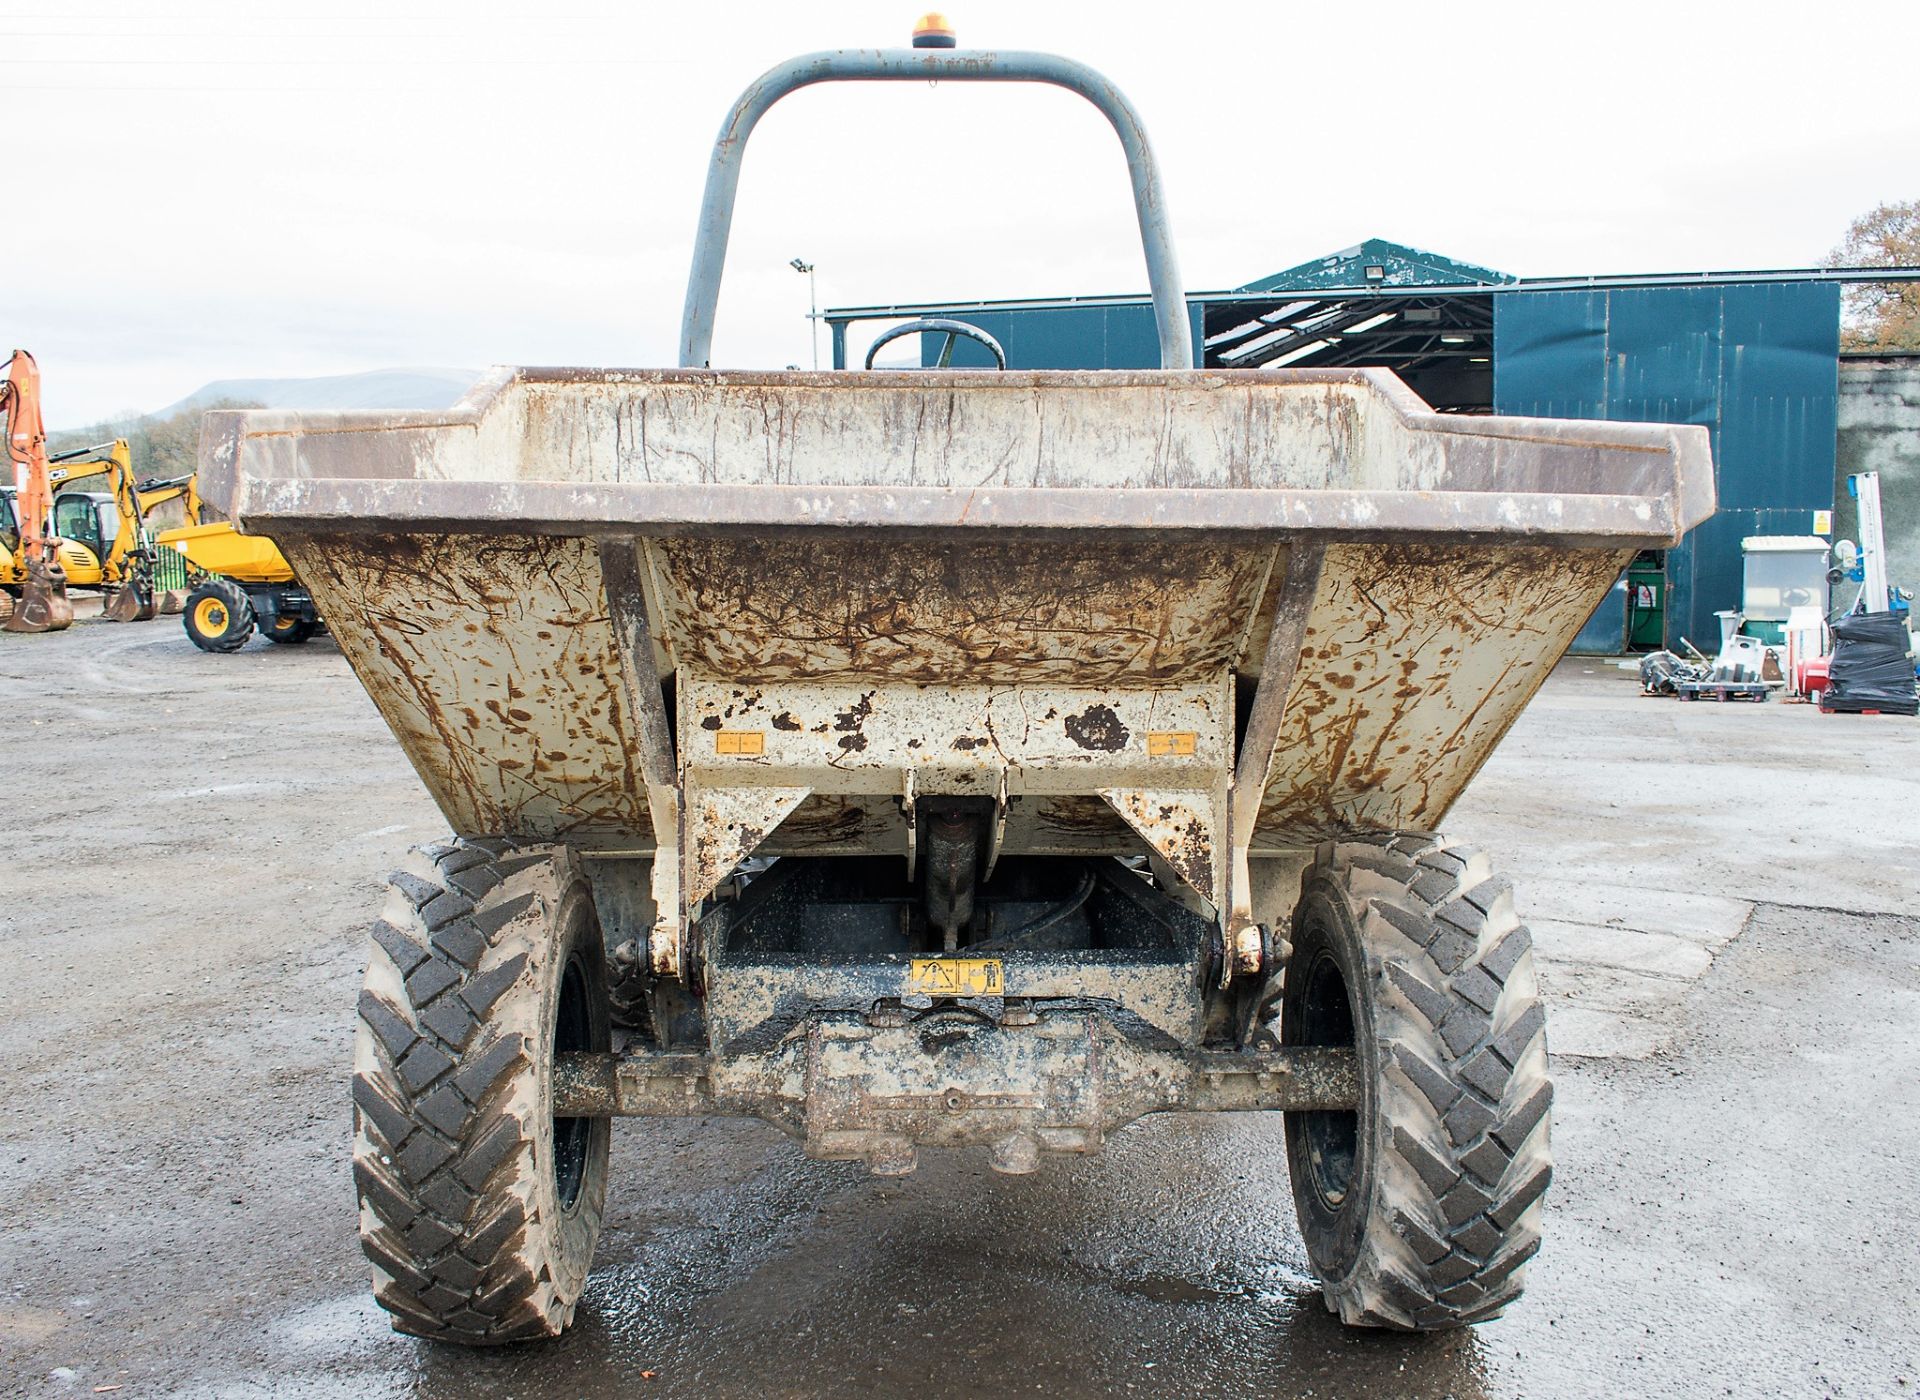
<point x="953" y="330"/>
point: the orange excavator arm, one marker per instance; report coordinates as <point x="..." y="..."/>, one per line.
<point x="27" y="449"/>
<point x="43" y="605"/>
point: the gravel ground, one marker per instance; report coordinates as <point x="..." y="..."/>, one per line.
<point x="196" y="845"/>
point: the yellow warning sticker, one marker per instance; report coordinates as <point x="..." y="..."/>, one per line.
<point x="740" y="741"/>
<point x="956" y="977"/>
<point x="1172" y="745"/>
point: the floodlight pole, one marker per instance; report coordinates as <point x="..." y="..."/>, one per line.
<point x="813" y="307"/>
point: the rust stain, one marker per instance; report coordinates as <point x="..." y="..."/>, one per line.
<point x="493" y="660"/>
<point x="1421" y="656"/>
<point x="856" y="716"/>
<point x="929" y="611"/>
<point x="1079" y="816"/>
<point x="713" y="855"/>
<point x="824" y="820"/>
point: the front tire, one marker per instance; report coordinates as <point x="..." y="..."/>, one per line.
<point x="1421" y="1209"/>
<point x="478" y="1208"/>
<point x="218" y="616"/>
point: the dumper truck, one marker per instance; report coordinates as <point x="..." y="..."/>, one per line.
<point x="949" y="759"/>
<point x="239" y="582"/>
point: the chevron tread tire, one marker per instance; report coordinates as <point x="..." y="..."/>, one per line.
<point x="478" y="1209"/>
<point x="225" y="600"/>
<point x="1421" y="1210"/>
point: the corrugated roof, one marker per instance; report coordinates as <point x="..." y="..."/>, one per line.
<point x="1378" y="263"/>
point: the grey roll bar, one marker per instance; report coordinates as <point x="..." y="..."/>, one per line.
<point x="938" y="324"/>
<point x="931" y="65"/>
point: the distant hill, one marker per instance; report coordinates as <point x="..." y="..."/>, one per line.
<point x="167" y="443"/>
<point x="375" y="388"/>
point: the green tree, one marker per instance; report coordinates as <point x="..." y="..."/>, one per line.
<point x="1881" y="315"/>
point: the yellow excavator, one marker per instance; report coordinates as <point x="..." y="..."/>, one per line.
<point x="16" y="566"/>
<point x="106" y="537"/>
<point x="54" y="534"/>
<point x="103" y="539"/>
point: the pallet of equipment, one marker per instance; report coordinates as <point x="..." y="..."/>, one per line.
<point x="1723" y="690"/>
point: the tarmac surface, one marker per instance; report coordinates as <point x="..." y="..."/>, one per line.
<point x="1725" y="901"/>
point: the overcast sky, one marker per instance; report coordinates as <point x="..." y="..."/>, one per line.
<point x="204" y="189"/>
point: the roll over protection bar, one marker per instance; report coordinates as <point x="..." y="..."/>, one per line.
<point x="931" y="65"/>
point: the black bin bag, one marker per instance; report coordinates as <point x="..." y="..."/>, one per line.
<point x="1872" y="669"/>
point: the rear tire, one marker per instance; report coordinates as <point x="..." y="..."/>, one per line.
<point x="1421" y="1209"/>
<point x="478" y="1208"/>
<point x="290" y="631"/>
<point x="218" y="616"/>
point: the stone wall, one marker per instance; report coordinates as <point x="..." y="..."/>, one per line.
<point x="1880" y="432"/>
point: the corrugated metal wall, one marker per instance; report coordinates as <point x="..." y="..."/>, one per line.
<point x="1066" y="337"/>
<point x="1756" y="364"/>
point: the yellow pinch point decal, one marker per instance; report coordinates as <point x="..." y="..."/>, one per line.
<point x="746" y="742"/>
<point x="956" y="977"/>
<point x="1172" y="744"/>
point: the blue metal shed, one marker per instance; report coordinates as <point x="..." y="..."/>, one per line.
<point x="1756" y="364"/>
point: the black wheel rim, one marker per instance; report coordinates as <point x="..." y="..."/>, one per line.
<point x="572" y="1031"/>
<point x="1332" y="1138"/>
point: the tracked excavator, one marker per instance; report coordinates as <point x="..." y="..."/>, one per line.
<point x="102" y="538"/>
<point x="105" y="537"/>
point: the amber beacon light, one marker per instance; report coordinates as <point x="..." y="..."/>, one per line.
<point x="933" y="32"/>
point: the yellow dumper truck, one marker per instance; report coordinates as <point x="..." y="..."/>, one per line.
<point x="952" y="759"/>
<point x="247" y="584"/>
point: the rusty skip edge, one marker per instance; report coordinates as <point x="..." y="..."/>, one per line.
<point x="339" y="506"/>
<point x="260" y="495"/>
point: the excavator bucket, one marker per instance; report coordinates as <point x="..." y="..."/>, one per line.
<point x="130" y="603"/>
<point x="134" y="600"/>
<point x="43" y="605"/>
